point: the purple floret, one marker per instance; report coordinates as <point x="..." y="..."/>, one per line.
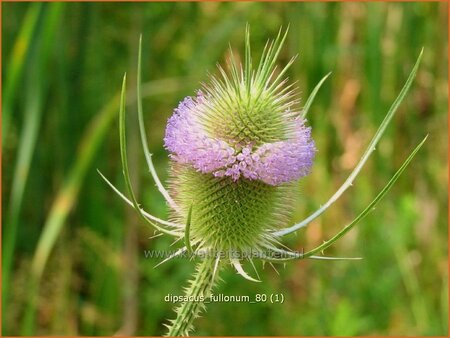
<point x="188" y="143"/>
<point x="286" y="161"/>
<point x="273" y="163"/>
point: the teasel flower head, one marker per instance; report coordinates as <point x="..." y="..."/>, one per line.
<point x="237" y="149"/>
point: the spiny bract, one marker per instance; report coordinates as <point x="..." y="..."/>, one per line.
<point x="236" y="149"/>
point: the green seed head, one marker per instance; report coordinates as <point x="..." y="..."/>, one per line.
<point x="230" y="216"/>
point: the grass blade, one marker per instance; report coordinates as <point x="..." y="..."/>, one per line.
<point x="37" y="87"/>
<point x="63" y="203"/>
<point x="17" y="62"/>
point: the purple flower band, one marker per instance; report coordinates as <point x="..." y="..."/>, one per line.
<point x="273" y="163"/>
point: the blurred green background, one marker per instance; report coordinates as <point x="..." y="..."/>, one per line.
<point x="72" y="251"/>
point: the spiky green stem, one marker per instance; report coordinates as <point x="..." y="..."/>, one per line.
<point x="199" y="288"/>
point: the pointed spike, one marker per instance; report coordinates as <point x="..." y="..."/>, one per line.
<point x="155" y="236"/>
<point x="216" y="265"/>
<point x="254" y="268"/>
<point x="277" y="80"/>
<point x="175" y="254"/>
<point x="176" y="241"/>
<point x="335" y="258"/>
<point x="248" y="59"/>
<point x="237" y="265"/>
<point x="187" y="240"/>
<point x="312" y="96"/>
<point x="279" y="260"/>
<point x="273" y="267"/>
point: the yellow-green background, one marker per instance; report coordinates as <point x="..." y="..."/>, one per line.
<point x="62" y="69"/>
